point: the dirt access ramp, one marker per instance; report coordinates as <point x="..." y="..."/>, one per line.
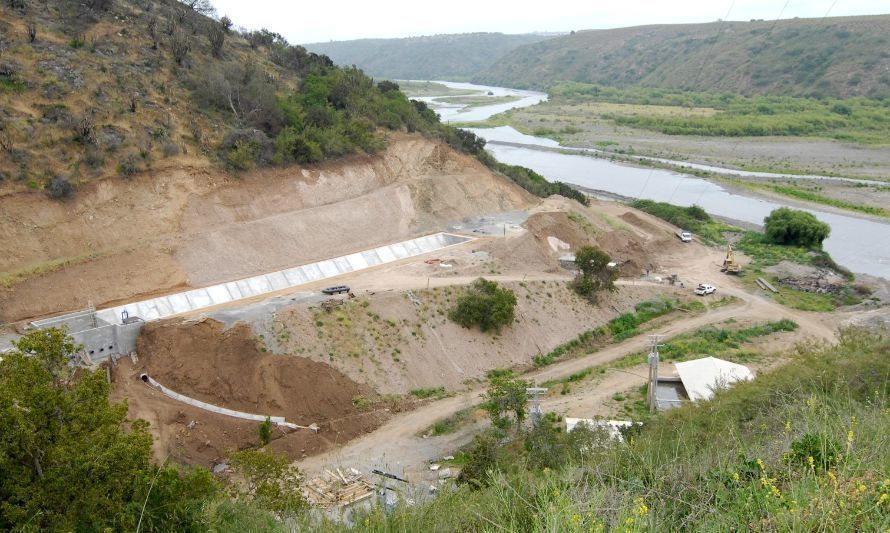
<point x="160" y="232"/>
<point x="226" y="368"/>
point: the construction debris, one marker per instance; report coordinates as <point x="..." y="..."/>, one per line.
<point x="341" y="488"/>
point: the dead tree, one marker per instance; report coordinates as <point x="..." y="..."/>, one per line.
<point x="216" y="34"/>
<point x="152" y="26"/>
<point x="180" y="46"/>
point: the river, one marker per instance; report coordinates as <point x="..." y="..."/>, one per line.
<point x="860" y="244"/>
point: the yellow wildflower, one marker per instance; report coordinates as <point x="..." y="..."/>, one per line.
<point x="629" y="521"/>
<point x="576" y="518"/>
<point x="860" y="488"/>
<point x="735" y="476"/>
<point x="811" y="462"/>
<point x="787" y="426"/>
<point x="760" y="464"/>
<point x="883" y="499"/>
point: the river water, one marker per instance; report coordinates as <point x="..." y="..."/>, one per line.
<point x="859" y="244"/>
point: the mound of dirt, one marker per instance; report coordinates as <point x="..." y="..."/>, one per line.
<point x="226" y="367"/>
<point x="545" y="240"/>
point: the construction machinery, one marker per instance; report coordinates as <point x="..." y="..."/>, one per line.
<point x="730" y="265"/>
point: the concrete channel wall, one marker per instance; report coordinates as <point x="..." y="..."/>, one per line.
<point x="113" y="331"/>
<point x="196" y="299"/>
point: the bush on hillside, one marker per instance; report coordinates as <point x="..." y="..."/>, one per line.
<point x="594" y="273"/>
<point x="794" y="227"/>
<point x="59" y="188"/>
<point x="690" y="218"/>
<point x="485" y="305"/>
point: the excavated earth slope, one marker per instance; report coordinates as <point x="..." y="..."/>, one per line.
<point x="159" y="232"/>
<point x="227" y="368"/>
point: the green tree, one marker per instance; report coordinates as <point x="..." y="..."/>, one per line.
<point x="506" y="395"/>
<point x="266" y="431"/>
<point x="70" y="460"/>
<point x="594" y="273"/>
<point x="272" y="482"/>
<point x="795" y="227"/>
<point x="486" y="305"/>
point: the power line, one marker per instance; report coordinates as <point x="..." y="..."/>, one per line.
<point x="829" y="9"/>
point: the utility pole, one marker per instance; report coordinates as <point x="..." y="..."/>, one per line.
<point x="535" y="394"/>
<point x="654" y="342"/>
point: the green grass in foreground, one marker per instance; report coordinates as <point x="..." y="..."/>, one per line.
<point x="801" y="448"/>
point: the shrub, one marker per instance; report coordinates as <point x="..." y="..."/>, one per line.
<point x="128" y="167"/>
<point x="242" y="148"/>
<point x="266" y="431"/>
<point x="594" y="273"/>
<point x="794" y="227"/>
<point x="819" y="448"/>
<point x="59" y="188"/>
<point x="486" y="305"/>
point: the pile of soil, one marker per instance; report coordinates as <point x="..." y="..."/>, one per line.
<point x="535" y="248"/>
<point x="226" y="367"/>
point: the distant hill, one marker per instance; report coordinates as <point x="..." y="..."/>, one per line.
<point x="843" y="56"/>
<point x="453" y="57"/>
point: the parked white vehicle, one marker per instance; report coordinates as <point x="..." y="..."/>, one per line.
<point x="684" y="235"/>
<point x="704" y="289"/>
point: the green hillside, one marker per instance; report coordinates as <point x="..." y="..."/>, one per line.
<point x="452" y="57"/>
<point x="115" y="88"/>
<point x="844" y="56"/>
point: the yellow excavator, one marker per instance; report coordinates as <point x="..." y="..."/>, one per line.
<point x="730" y="266"/>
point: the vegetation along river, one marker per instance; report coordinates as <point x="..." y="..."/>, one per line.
<point x="860" y="244"/>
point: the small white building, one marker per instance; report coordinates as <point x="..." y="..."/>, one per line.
<point x="702" y="377"/>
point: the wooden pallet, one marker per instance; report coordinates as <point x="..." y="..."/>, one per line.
<point x="338" y="489"/>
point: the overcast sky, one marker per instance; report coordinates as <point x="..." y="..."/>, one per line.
<point x="336" y="20"/>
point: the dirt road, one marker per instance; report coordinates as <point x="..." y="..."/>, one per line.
<point x="397" y="442"/>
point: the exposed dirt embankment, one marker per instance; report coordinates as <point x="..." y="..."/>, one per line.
<point x="120" y="239"/>
<point x="225" y="367"/>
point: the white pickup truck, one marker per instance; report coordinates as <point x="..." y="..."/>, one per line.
<point x="684" y="235"/>
<point x="705" y="289"/>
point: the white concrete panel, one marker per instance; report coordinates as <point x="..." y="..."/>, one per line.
<point x="233" y="290"/>
<point x="343" y="265"/>
<point x="179" y="303"/>
<point x="259" y="285"/>
<point x="244" y="288"/>
<point x="372" y="258"/>
<point x="385" y="254"/>
<point x="312" y="272"/>
<point x="277" y="281"/>
<point x="148" y="311"/>
<point x="412" y="248"/>
<point x="399" y="251"/>
<point x="357" y="261"/>
<point x="163" y="307"/>
<point x="199" y="298"/>
<point x="295" y="276"/>
<point x="328" y="269"/>
<point x="219" y="294"/>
